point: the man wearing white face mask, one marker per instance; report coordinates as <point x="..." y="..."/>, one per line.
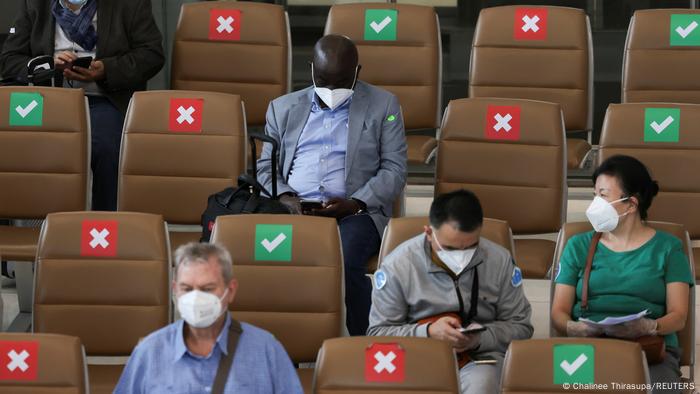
<point x="453" y="285"/>
<point x="342" y="146"/>
<point x="208" y="351"/>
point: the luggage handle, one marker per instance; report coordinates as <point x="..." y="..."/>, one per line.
<point x="273" y="158"/>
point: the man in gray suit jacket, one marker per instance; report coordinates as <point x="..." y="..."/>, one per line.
<point x="342" y="143"/>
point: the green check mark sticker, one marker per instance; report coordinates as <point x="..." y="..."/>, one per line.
<point x="380" y="25"/>
<point x="685" y="30"/>
<point x="273" y="242"/>
<point x="574" y="364"/>
<point x="662" y="124"/>
<point x="26" y="109"/>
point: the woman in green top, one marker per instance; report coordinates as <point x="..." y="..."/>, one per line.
<point x="635" y="267"/>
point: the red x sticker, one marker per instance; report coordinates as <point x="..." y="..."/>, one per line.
<point x="19" y="360"/>
<point x="502" y="122"/>
<point x="530" y="24"/>
<point x="99" y="238"/>
<point x="224" y="25"/>
<point x="385" y="362"/>
<point x="186" y="115"/>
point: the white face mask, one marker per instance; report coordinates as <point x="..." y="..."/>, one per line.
<point x="455" y="260"/>
<point x="603" y="215"/>
<point x="333" y="97"/>
<point x="200" y="309"/>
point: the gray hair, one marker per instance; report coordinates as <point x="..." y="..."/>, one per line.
<point x="198" y="253"/>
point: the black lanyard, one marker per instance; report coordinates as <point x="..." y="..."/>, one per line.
<point x="467" y="318"/>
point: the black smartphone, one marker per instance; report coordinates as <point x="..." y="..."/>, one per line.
<point x="308" y="205"/>
<point x="83" y="62"/>
<point x="472" y="328"/>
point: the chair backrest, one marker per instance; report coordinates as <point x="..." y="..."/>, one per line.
<point x="390" y="37"/>
<point x="686" y="336"/>
<point x="289" y="268"/>
<point x="103" y="277"/>
<point x="662" y="57"/>
<point x="248" y="54"/>
<point x="542" y="365"/>
<point x="666" y="138"/>
<point x="178" y="148"/>
<point x="44" y="137"/>
<point x="366" y="365"/>
<point x="42" y="364"/>
<point x="399" y="230"/>
<point x="538" y="53"/>
<point x="512" y="154"/>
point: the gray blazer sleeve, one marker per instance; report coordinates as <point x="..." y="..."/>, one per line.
<point x="264" y="164"/>
<point x="385" y="186"/>
<point x="389" y="313"/>
<point x="513" y="317"/>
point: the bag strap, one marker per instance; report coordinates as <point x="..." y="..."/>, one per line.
<point x="587" y="270"/>
<point x="226" y="361"/>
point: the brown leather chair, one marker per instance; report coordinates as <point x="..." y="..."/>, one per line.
<point x="429" y="366"/>
<point x="686" y="337"/>
<point x="670" y="163"/>
<point x="653" y="69"/>
<point x="102" y="277"/>
<point x="417" y="52"/>
<point x="528" y="367"/>
<point x="556" y="66"/>
<point x="522" y="181"/>
<point x="43" y="168"/>
<point x="55" y="364"/>
<point x="172" y="173"/>
<point x="255" y="66"/>
<point x="402" y="229"/>
<point x="299" y="301"/>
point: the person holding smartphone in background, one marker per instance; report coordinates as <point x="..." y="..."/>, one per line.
<point x="451" y="284"/>
<point x="109" y="48"/>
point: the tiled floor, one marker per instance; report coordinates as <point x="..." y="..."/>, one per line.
<point x="418" y="203"/>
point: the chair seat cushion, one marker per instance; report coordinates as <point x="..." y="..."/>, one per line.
<point x="178" y="239"/>
<point x="576" y="151"/>
<point x="534" y="257"/>
<point x="104" y="378"/>
<point x="306" y="376"/>
<point x="419" y="148"/>
<point x="18" y="243"/>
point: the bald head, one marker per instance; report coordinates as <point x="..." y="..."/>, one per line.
<point x="335" y="61"/>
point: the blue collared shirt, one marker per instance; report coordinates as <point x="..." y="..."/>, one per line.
<point x="318" y="168"/>
<point x="162" y="364"/>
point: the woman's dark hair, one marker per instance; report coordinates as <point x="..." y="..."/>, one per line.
<point x="459" y="206"/>
<point x="633" y="177"/>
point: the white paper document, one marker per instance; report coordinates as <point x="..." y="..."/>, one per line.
<point x="611" y="321"/>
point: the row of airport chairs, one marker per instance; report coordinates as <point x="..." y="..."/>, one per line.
<point x="179" y="147"/>
<point x="528" y="52"/>
<point x="418" y="365"/>
<point x="86" y="262"/>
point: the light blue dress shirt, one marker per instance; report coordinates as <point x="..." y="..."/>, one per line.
<point x="162" y="364"/>
<point x="318" y="168"/>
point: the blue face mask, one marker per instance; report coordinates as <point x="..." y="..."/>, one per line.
<point x="77" y="2"/>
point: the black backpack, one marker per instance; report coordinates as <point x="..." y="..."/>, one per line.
<point x="249" y="197"/>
